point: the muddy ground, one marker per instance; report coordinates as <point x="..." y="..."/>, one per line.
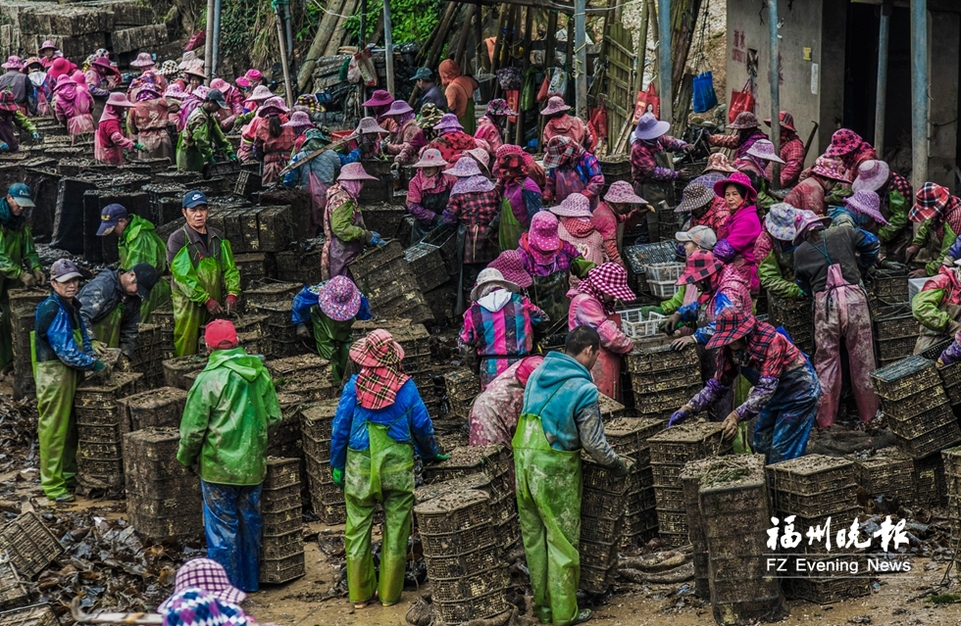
<point x="318" y="598"/>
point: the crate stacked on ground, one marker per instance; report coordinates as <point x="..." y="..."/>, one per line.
<point x="12" y="591"/>
<point x="496" y="462"/>
<point x="427" y="265"/>
<point x="628" y="436"/>
<point x="603" y="504"/>
<point x="286" y="439"/>
<point x="639" y="325"/>
<point x="895" y="332"/>
<point x="33" y="615"/>
<point x="888" y="472"/>
<point x="307" y="375"/>
<point x="29" y="545"/>
<point x="639" y="257"/>
<point x="670" y="451"/>
<point x="23" y="310"/>
<point x="950" y="374"/>
<point x="813" y="488"/>
<point x="278" y="328"/>
<point x="662" y="379"/>
<point x="300" y="262"/>
<point x="282" y="557"/>
<point x="176" y="370"/>
<point x="163" y="496"/>
<point x="951" y="459"/>
<point x="164" y="318"/>
<point x="690" y="480"/>
<point x="916" y="406"/>
<point x="734" y="519"/>
<point x="159" y="407"/>
<point x="148" y="355"/>
<point x="100" y="428"/>
<point x="888" y="286"/>
<point x="385" y="277"/>
<point x="316" y="427"/>
<point x="930" y="488"/>
<point x="269" y="290"/>
<point x="796" y="316"/>
<point x="468" y="576"/>
<point x="662" y="279"/>
<point x="462" y="387"/>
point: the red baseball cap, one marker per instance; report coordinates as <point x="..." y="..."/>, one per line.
<point x="220" y="335"/>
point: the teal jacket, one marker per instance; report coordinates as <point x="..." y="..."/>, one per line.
<point x="562" y="393"/>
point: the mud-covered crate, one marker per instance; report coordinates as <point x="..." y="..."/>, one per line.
<point x="932" y="441"/>
<point x="459" y="510"/>
<point x="905" y="378"/>
<point x="687" y="442"/>
<point x="929" y="480"/>
<point x="811" y="474"/>
<point x="889" y="285"/>
<point x="478" y="607"/>
<point x="661" y="358"/>
<point x="427" y="264"/>
<point x="308" y="369"/>
<point x="280" y="499"/>
<point x="282" y="522"/>
<point x="914" y="407"/>
<point x="670" y="497"/>
<point x="462" y="564"/>
<point x="951" y="459"/>
<point x="317" y="419"/>
<point x="156" y="407"/>
<point x="270" y="290"/>
<point x="276" y="547"/>
<point x="276" y="571"/>
<point x="475" y="584"/>
<point x="12" y="591"/>
<point x="150" y="461"/>
<point x="29" y="544"/>
<point x="100" y="394"/>
<point x="662" y="402"/>
<point x="822" y="503"/>
<point x="925" y="419"/>
<point x="832" y="589"/>
<point x="890" y="350"/>
<point x="894" y="321"/>
<point x="462" y="387"/>
<point x="950" y="374"/>
<point x="887" y="471"/>
<point x="281" y="473"/>
<point x="33" y="615"/>
<point x="247" y="183"/>
<point x="176" y="369"/>
<point x="493" y="460"/>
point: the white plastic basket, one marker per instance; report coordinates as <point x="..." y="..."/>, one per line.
<point x="663" y="288"/>
<point x="636" y="325"/>
<point x="663" y="272"/>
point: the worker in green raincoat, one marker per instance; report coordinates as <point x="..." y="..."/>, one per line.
<point x="202" y="136"/>
<point x="229" y="410"/>
<point x="61" y="354"/>
<point x="138" y="243"/>
<point x="16" y="250"/>
<point x="110" y="307"/>
<point x="206" y="280"/>
<point x="380" y="422"/>
<point x="331" y="307"/>
<point x="561" y="417"/>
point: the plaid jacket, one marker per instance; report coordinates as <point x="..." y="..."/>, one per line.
<point x="475" y="210"/>
<point x="792" y="152"/>
<point x="644" y="167"/>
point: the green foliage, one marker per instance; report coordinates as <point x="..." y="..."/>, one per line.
<point x="312" y="15"/>
<point x="412" y="20"/>
<point x="945" y="598"/>
<point x="237" y="20"/>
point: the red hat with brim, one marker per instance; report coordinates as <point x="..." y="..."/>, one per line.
<point x="730" y="325"/>
<point x="104" y="64"/>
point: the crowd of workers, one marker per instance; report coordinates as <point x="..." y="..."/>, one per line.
<point x="540" y="250"/>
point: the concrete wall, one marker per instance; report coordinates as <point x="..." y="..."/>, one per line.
<point x="944" y="33"/>
<point x="802" y="82"/>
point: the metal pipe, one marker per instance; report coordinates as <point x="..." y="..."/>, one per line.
<point x="881" y="99"/>
<point x="664" y="59"/>
<point x="209" y="40"/>
<point x="775" y="79"/>
<point x="288" y="88"/>
<point x="580" y="57"/>
<point x="388" y="47"/>
<point x="919" y="92"/>
<point x="215" y="53"/>
<point x="290" y="33"/>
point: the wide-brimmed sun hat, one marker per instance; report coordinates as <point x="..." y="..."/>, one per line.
<point x="649" y="127"/>
<point x="930" y="200"/>
<point x="718" y="162"/>
<point x="465" y="167"/>
<point x="872" y="175"/>
<point x="377" y="349"/>
<point x="380" y="98"/>
<point x="511" y="266"/>
<point x="542" y="235"/>
<point x="805" y="221"/>
<point x="621" y="192"/>
<point x="786" y="120"/>
<point x="397" y="107"/>
<point x="574" y="205"/>
<point x="448" y="122"/>
<point x="731" y="324"/>
<point x="491" y="276"/>
<point x="737" y="178"/>
<point x="611" y="279"/>
<point x="354" y="171"/>
<point x="431" y="158"/>
<point x="764" y="149"/>
<point x="868" y="203"/>
<point x="117" y="99"/>
<point x="701" y="265"/>
<point x="744" y="119"/>
<point x="144" y="59"/>
<point x="695" y="196"/>
<point x="298" y="119"/>
<point x="339" y="299"/>
<point x="555" y="104"/>
<point x="831" y="168"/>
<point x="369" y="126"/>
<point x="781" y="221"/>
<point x="843" y="141"/>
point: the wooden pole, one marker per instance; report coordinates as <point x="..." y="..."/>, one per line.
<point x="642" y="46"/>
<point x="506" y="10"/>
<point x="209" y="42"/>
<point x="437" y="44"/>
<point x="388" y="48"/>
<point x="550" y="52"/>
<point x="288" y="88"/>
<point x="580" y="55"/>
<point x="525" y="63"/>
<point x="464" y="35"/>
<point x="664" y="59"/>
<point x="774" y="77"/>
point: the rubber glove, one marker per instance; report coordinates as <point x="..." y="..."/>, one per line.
<point x="231" y="303"/>
<point x="439" y="458"/>
<point x="670" y="324"/>
<point x="99" y="366"/>
<point x="4" y="147"/>
<point x="647" y="310"/>
<point x="233" y="157"/>
<point x="679" y="416"/>
<point x="730" y="424"/>
<point x="37" y="137"/>
<point x="139" y="146"/>
<point x="338" y="476"/>
<point x="623" y="467"/>
<point x="375" y="238"/>
<point x="40" y="276"/>
<point x="28" y="280"/>
<point x="213" y="307"/>
<point x="99" y="347"/>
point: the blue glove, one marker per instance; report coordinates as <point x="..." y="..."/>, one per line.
<point x="375" y="238"/>
<point x="4" y="147"/>
<point x="678" y="416"/>
<point x="36" y="136"/>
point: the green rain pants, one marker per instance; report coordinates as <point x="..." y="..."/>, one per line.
<point x="383" y="473"/>
<point x="337" y="352"/>
<point x="189" y="316"/>
<point x="107" y="330"/>
<point x="159" y="297"/>
<point x="56" y="426"/>
<point x="549" y="507"/>
<point x="6" y="327"/>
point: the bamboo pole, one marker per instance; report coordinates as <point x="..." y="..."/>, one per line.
<point x="437" y="45"/>
<point x="464" y="35"/>
<point x="550" y="52"/>
<point x="525" y="64"/>
<point x="318" y="46"/>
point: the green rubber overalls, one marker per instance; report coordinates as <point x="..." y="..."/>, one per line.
<point x="383" y="473"/>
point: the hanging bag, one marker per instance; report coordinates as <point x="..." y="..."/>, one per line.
<point x="648" y="101"/>
<point x="743" y="100"/>
<point x="704" y="96"/>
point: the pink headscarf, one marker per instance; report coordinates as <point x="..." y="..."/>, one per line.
<point x="352" y="187"/>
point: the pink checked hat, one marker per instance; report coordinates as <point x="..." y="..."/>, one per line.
<point x="512" y="268"/>
<point x="339" y="299"/>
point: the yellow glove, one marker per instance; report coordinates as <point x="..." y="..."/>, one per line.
<point x="99" y="347"/>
